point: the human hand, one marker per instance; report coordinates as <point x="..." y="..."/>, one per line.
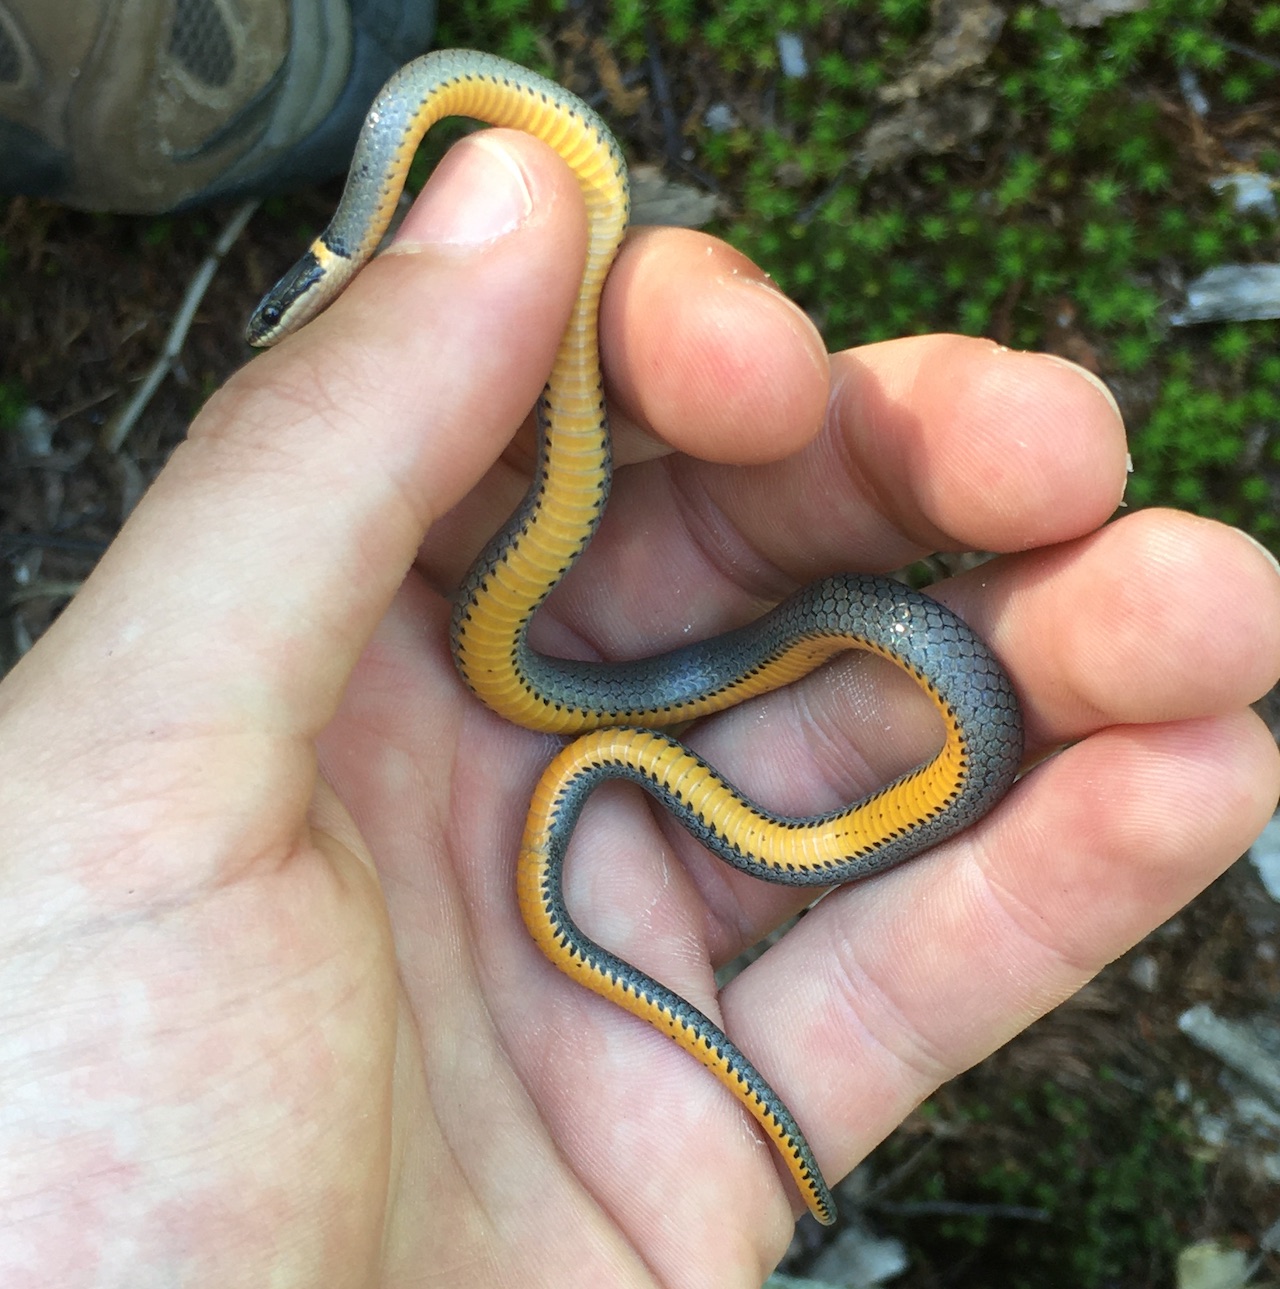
<point x="268" y="1008"/>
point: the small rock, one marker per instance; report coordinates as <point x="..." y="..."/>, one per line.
<point x="963" y="34"/>
<point x="655" y="199"/>
<point x="791" y="55"/>
<point x="860" y="1258"/>
<point x="1209" y="1265"/>
<point x="1270" y="1242"/>
<point x="942" y="124"/>
<point x="35" y="430"/>
<point x="1093" y="13"/>
<point x="1189" y="84"/>
<point x="1264" y="855"/>
<point x="1144" y="971"/>
<point x="780" y="1281"/>
<point x="1232" y="293"/>
<point x="1251" y="1048"/>
<point x="1251" y="192"/>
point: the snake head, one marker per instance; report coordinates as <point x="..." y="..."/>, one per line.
<point x="305" y="290"/>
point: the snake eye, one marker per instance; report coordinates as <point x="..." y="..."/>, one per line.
<point x="263" y="323"/>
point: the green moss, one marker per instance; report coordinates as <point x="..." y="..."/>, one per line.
<point x="1050" y="1188"/>
<point x="1082" y="193"/>
<point x="13" y="401"/>
<point x="513" y="28"/>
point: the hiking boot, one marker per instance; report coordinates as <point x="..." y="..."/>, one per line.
<point x="151" y="105"/>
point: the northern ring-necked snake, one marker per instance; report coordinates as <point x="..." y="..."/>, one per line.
<point x="614" y="707"/>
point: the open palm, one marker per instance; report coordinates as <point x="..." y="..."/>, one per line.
<point x="269" y="1012"/>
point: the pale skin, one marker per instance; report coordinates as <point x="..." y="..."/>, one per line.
<point x="267" y="1010"/>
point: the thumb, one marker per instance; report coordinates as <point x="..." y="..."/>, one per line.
<point x="244" y="586"/>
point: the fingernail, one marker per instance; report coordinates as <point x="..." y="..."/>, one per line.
<point x="1096" y="381"/>
<point x="1267" y="555"/>
<point x="775" y="293"/>
<point x="477" y="194"/>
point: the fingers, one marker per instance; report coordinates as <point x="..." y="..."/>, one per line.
<point x="889" y="988"/>
<point x="257" y="566"/>
<point x="703" y="353"/>
<point x="1159" y="616"/>
<point x="936" y="442"/>
<point x="1000" y="450"/>
<point x="867" y="461"/>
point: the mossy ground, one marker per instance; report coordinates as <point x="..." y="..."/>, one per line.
<point x="1070" y="221"/>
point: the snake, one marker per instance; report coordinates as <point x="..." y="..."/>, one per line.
<point x="616" y="712"/>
